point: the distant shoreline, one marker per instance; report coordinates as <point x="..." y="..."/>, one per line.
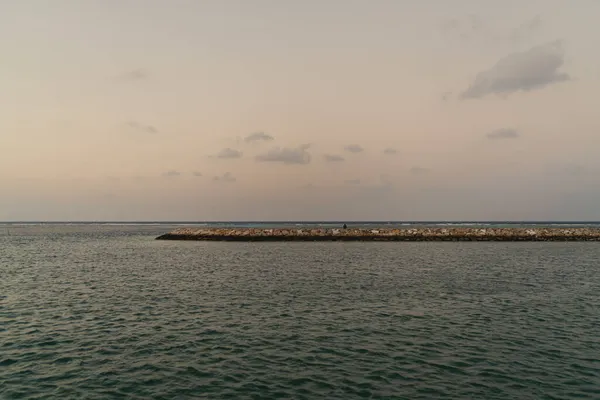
<point x="365" y="235"/>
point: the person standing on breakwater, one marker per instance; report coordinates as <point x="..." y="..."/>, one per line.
<point x="345" y="226"/>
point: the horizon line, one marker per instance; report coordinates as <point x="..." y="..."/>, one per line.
<point x="289" y="221"/>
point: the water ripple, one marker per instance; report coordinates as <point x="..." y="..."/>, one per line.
<point x="115" y="314"/>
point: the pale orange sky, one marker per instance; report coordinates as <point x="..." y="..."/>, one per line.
<point x="271" y="110"/>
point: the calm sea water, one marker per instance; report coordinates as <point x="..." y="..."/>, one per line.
<point x="105" y="311"/>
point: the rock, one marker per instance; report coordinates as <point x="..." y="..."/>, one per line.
<point x="412" y="234"/>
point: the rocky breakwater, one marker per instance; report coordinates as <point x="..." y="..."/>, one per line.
<point x="363" y="235"/>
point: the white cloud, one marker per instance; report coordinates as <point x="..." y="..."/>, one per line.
<point x="258" y="137"/>
<point x="503" y="133"/>
<point x="524" y="71"/>
<point x="229" y="153"/>
<point x="333" y="158"/>
<point x="286" y="155"/>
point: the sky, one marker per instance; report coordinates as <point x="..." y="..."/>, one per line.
<point x="149" y="110"/>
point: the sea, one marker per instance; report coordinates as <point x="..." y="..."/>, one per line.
<point x="105" y="311"/>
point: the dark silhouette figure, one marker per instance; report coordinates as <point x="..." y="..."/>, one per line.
<point x="345" y="226"/>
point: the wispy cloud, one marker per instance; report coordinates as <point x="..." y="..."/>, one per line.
<point x="523" y="71"/>
<point x="446" y="96"/>
<point x="227" y="177"/>
<point x="419" y="170"/>
<point x="464" y="27"/>
<point x="172" y="173"/>
<point x="354" y="148"/>
<point x="258" y="137"/>
<point x="390" y="151"/>
<point x="474" y="27"/>
<point x="287" y="155"/>
<point x="133" y="75"/>
<point x="503" y="133"/>
<point x="141" y="127"/>
<point x="197" y="174"/>
<point x="229" y="153"/>
<point x="333" y="158"/>
<point x="526" y="29"/>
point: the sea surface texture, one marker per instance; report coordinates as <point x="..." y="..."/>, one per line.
<point x="107" y="312"/>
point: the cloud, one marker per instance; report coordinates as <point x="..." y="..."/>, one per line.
<point x="503" y="133"/>
<point x="526" y="29"/>
<point x="229" y="153"/>
<point x="464" y="27"/>
<point x="523" y="71"/>
<point x="225" y="178"/>
<point x="141" y="127"/>
<point x="134" y="75"/>
<point x="287" y="155"/>
<point x="419" y="170"/>
<point x="333" y="158"/>
<point x="354" y="148"/>
<point x="258" y="137"/>
<point x="352" y="181"/>
<point x="390" y="151"/>
<point x="473" y="27"/>
<point x="172" y="173"/>
<point x="197" y="174"/>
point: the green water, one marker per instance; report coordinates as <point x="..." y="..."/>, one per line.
<point x="107" y="312"/>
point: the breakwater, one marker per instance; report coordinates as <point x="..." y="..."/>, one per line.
<point x="363" y="235"/>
